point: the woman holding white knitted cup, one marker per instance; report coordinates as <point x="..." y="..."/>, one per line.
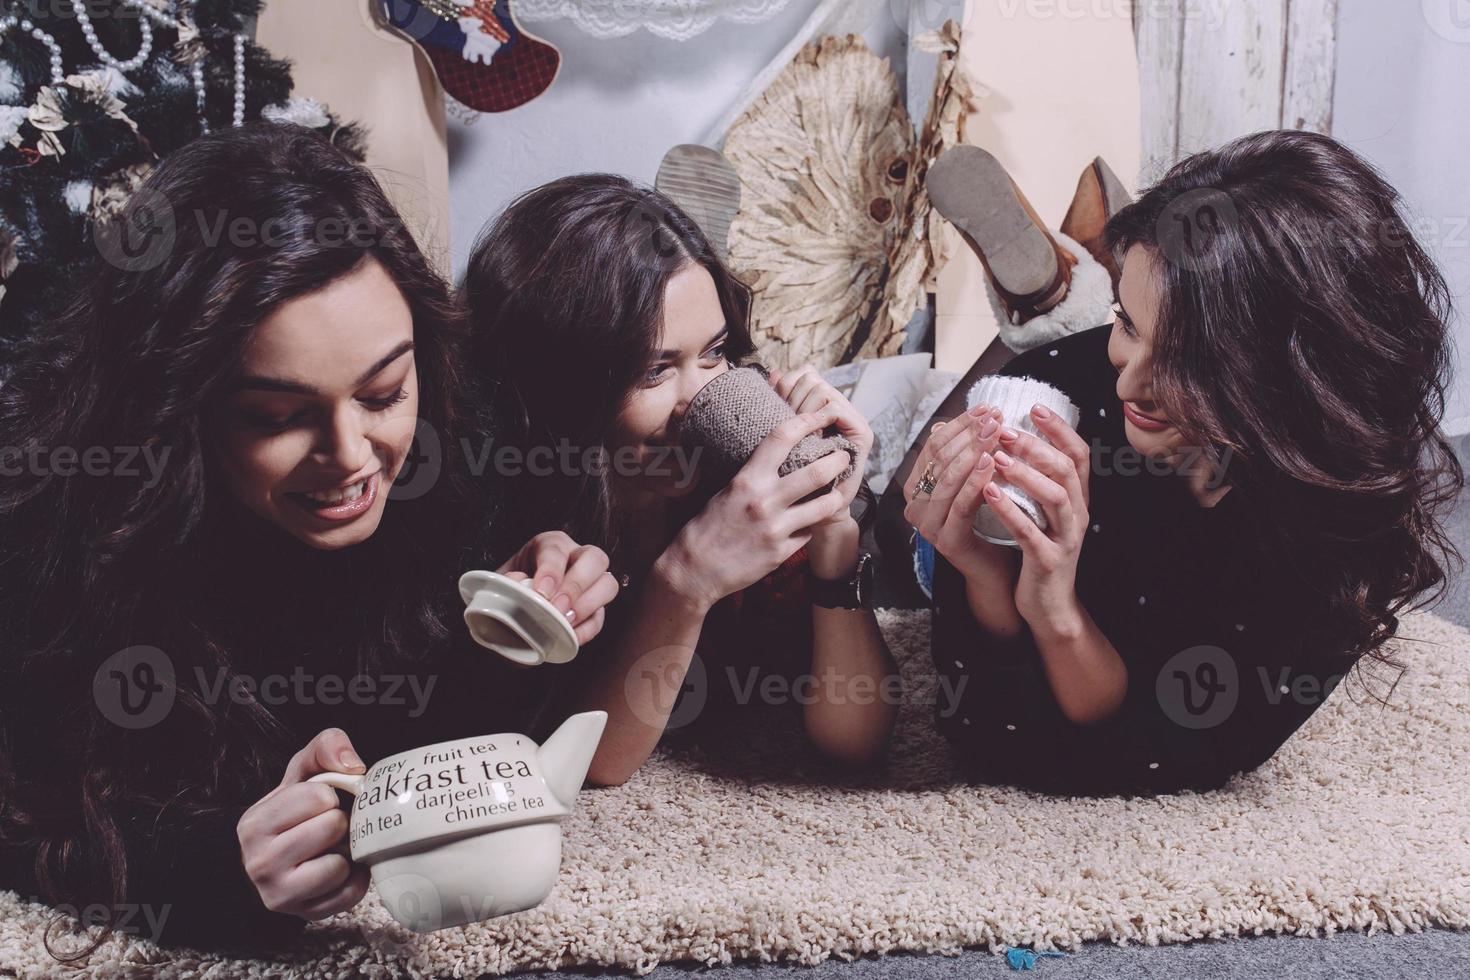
<point x="1013" y="397"/>
<point x="1251" y="492"/>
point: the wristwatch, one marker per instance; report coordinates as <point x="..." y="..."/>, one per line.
<point x="853" y="593"/>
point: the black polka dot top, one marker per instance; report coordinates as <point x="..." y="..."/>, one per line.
<point x="1222" y="668"/>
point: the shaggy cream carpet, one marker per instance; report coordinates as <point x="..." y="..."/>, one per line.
<point x="1361" y="822"/>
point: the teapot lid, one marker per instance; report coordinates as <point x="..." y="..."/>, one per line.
<point x="515" y="620"/>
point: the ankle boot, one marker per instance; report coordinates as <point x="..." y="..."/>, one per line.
<point x="1029" y="271"/>
<point x="1100" y="195"/>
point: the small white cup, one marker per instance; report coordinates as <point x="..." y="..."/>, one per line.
<point x="1015" y="398"/>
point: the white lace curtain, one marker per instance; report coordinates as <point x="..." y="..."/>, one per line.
<point x="676" y="20"/>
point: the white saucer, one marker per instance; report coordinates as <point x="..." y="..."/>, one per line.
<point x="515" y="620"/>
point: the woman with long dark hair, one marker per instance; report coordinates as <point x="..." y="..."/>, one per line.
<point x="606" y="310"/>
<point x="1253" y="494"/>
<point x="234" y="506"/>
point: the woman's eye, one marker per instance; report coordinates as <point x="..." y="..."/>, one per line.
<point x="383" y="404"/>
<point x="716" y="353"/>
<point x="271" y="423"/>
<point x="655" y="374"/>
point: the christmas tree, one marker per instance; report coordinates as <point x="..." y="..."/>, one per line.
<point x="93" y="93"/>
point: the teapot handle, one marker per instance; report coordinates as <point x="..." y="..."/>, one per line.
<point x="346" y="782"/>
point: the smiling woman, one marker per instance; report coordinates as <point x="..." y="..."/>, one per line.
<point x="146" y="755"/>
<point x="1254" y="493"/>
<point x="606" y="307"/>
<point x="269" y="426"/>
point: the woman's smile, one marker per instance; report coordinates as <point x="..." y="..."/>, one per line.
<point x="340" y="504"/>
<point x="1147" y="423"/>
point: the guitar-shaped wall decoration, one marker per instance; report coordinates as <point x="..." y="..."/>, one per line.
<point x="482" y="56"/>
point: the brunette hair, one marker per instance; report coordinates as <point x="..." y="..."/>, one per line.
<point x="92" y="566"/>
<point x="580" y="266"/>
<point x="1303" y="329"/>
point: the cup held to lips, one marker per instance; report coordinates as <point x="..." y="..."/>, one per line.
<point x="1015" y="398"/>
<point x="730" y="417"/>
<point x="515" y="620"/>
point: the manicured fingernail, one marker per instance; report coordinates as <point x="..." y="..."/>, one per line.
<point x="571" y="615"/>
<point x="979" y="410"/>
<point x="350" y="760"/>
<point x="985" y="460"/>
<point x="1007" y="433"/>
<point x="988" y="429"/>
<point x="545" y="585"/>
<point x="1001" y="459"/>
<point x="992" y="491"/>
<point x="1041" y="412"/>
<point x="563" y="602"/>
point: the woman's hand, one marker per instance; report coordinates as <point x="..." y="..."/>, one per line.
<point x="961" y="452"/>
<point x="292" y="840"/>
<point x="806" y="391"/>
<point x="1054" y="472"/>
<point x="574" y="577"/>
<point x="756" y="523"/>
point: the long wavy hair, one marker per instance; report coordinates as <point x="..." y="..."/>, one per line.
<point x="90" y="566"/>
<point x="1301" y="335"/>
<point x="565" y="295"/>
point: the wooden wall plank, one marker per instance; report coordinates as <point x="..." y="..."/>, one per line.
<point x="1311" y="65"/>
<point x="1159" y="31"/>
<point x="1234" y="69"/>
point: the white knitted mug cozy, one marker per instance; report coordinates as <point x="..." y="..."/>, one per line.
<point x="1015" y="398"/>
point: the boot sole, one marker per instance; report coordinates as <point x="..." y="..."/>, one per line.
<point x="973" y="191"/>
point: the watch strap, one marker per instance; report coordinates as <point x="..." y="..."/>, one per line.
<point x="850" y="593"/>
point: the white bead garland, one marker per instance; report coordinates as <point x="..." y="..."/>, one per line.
<point x="198" y="72"/>
<point x="58" y="73"/>
<point x="153" y="13"/>
<point x="239" y="119"/>
<point x="150" y="13"/>
<point x="84" y="21"/>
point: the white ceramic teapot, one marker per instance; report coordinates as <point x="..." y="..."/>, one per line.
<point x="468" y="830"/>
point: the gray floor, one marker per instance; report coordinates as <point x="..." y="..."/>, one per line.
<point x="1436" y="953"/>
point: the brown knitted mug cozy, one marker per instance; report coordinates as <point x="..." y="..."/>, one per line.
<point x="733" y="414"/>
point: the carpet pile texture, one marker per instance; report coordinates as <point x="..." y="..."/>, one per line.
<point x="744" y="850"/>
